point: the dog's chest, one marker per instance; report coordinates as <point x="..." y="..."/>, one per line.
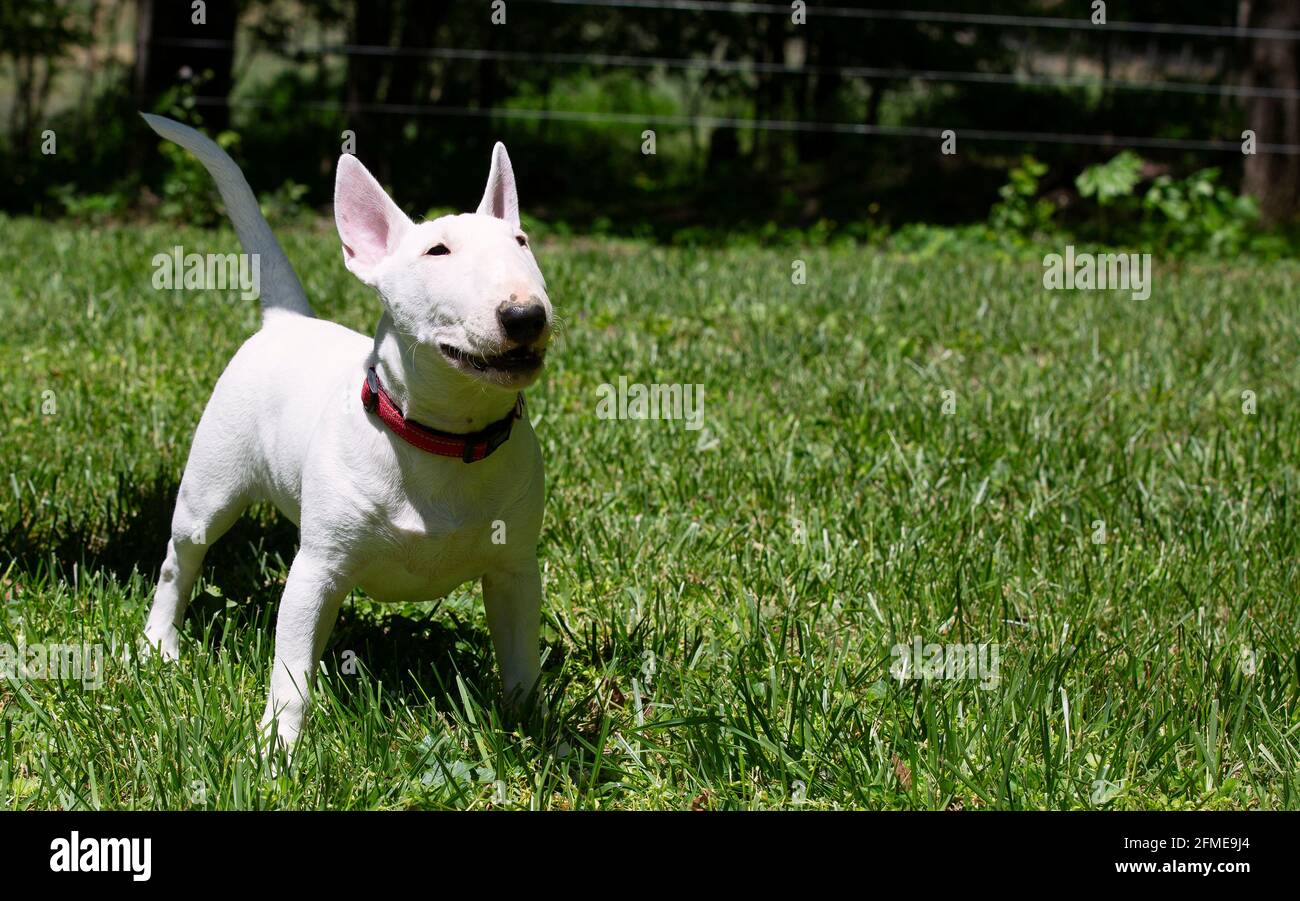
<point x="428" y="550"/>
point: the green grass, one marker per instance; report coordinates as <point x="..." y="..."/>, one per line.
<point x="721" y="604"/>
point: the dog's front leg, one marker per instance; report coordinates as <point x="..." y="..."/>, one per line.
<point x="315" y="589"/>
<point x="513" y="599"/>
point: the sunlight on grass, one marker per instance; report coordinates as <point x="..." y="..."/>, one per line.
<point x="721" y="604"/>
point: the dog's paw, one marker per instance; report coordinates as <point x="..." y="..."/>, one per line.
<point x="528" y="714"/>
<point x="166" y="645"/>
<point x="279" y="733"/>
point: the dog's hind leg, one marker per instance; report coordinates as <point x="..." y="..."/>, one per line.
<point x="201" y="517"/>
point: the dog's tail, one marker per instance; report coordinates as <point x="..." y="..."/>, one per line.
<point x="281" y="290"/>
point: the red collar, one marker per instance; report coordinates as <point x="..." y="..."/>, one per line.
<point x="470" y="447"/>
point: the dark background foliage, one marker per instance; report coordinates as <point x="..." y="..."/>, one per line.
<point x="428" y="85"/>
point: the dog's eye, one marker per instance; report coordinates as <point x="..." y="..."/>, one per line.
<point x="438" y="250"/>
<point x="523" y="242"/>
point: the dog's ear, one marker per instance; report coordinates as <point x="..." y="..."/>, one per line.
<point x="499" y="198"/>
<point x="369" y="223"/>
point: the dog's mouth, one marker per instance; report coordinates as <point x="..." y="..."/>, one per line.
<point x="519" y="361"/>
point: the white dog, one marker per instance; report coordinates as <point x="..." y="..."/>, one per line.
<point x="403" y="458"/>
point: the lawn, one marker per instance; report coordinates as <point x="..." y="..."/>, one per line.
<point x="904" y="448"/>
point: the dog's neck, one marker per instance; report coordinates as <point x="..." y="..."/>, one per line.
<point x="428" y="390"/>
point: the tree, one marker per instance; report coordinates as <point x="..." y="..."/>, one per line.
<point x="37" y="38"/>
<point x="1274" y="178"/>
<point x="173" y="36"/>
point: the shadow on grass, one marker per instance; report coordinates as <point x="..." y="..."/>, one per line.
<point x="130" y="534"/>
<point x="416" y="655"/>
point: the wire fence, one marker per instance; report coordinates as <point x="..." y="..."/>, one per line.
<point x="780" y="125"/>
<point x="755" y="67"/>
<point x="815" y="11"/>
<point x="750" y="67"/>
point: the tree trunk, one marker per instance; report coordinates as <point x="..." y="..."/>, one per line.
<point x="1274" y="179"/>
<point x="371" y="26"/>
<point x="816" y="146"/>
<point x="163" y="30"/>
<point x="771" y="92"/>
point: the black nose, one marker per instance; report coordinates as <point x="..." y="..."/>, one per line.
<point x="522" y="322"/>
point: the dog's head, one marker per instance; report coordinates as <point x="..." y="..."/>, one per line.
<point x="467" y="284"/>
